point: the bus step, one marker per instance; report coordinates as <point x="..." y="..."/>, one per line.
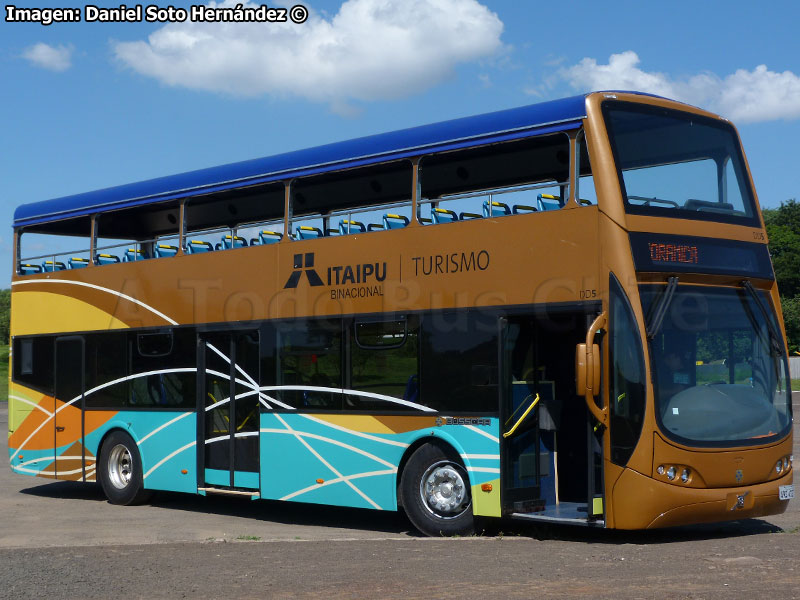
<point x="562" y="520"/>
<point x="228" y="492"/>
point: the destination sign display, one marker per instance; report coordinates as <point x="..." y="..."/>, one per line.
<point x="686" y="254"/>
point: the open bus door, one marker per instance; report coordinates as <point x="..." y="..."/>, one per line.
<point x="551" y="451"/>
<point x="228" y="409"/>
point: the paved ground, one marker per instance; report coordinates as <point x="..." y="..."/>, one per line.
<point x="63" y="540"/>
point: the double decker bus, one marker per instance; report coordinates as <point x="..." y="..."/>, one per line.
<point x="563" y="312"/>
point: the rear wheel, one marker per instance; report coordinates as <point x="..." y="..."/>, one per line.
<point x="120" y="470"/>
<point x="436" y="493"/>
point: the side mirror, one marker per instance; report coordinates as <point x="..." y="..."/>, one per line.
<point x="587" y="370"/>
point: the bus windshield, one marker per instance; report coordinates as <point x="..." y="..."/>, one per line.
<point x="719" y="373"/>
<point x="677" y="164"/>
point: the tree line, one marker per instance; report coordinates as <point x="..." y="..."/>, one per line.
<point x="783" y="229"/>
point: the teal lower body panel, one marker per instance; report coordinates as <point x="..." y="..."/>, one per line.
<point x="241" y="479"/>
<point x="167" y="443"/>
<point x="353" y="460"/>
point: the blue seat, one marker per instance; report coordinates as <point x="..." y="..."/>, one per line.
<point x="375" y="227"/>
<point x="106" y="259"/>
<point x="425" y="220"/>
<point x="392" y="221"/>
<point x="523" y="208"/>
<point x="347" y="226"/>
<point x="49" y="266"/>
<point x="467" y="216"/>
<point x="133" y="254"/>
<point x="330" y="232"/>
<point x="269" y="237"/>
<point x="78" y="263"/>
<point x="28" y="269"/>
<point x="198" y="247"/>
<point x="228" y="241"/>
<point x="165" y="250"/>
<point x="495" y="209"/>
<point x="305" y="232"/>
<point x="443" y="215"/>
<point x="548" y="202"/>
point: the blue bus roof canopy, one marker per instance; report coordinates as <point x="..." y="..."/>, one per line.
<point x="505" y="125"/>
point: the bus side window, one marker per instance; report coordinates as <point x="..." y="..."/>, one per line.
<point x="458" y="361"/>
<point x="167" y="352"/>
<point x="310" y="362"/>
<point x="384" y="359"/>
<point x="33" y="362"/>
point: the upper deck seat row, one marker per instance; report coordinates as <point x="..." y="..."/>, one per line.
<point x="490" y="208"/>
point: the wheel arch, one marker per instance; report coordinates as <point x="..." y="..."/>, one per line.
<point x="447" y="444"/>
<point x="125" y="428"/>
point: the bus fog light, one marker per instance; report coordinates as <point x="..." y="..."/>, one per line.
<point x="660" y="469"/>
<point x="671" y="473"/>
<point x="685" y="476"/>
<point x="786" y="463"/>
<point x="779" y="466"/>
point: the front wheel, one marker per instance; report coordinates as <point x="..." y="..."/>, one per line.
<point x="436" y="493"/>
<point x="120" y="470"/>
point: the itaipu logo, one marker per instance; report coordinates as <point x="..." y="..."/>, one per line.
<point x="304" y="263"/>
<point x="348" y="281"/>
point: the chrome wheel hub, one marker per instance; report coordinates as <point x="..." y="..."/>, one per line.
<point x="443" y="490"/>
<point x="119" y="467"/>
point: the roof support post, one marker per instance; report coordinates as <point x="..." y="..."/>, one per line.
<point x="92" y="239"/>
<point x="181" y="225"/>
<point x="287" y="210"/>
<point x="416" y="190"/>
<point x="17" y="250"/>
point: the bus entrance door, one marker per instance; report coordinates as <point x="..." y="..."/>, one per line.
<point x="229" y="409"/>
<point x="528" y="451"/>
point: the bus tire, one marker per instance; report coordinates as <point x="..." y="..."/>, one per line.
<point x="120" y="470"/>
<point x="436" y="493"/>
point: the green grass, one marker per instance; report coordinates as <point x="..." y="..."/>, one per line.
<point x="3" y="373"/>
<point x="796" y="385"/>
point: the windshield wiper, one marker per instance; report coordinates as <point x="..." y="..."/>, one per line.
<point x="661" y="307"/>
<point x="774" y="337"/>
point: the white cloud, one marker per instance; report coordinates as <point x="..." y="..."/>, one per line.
<point x="53" y="58"/>
<point x="369" y="50"/>
<point x="744" y="96"/>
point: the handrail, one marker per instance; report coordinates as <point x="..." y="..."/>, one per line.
<point x="498" y="191"/>
<point x="511" y="431"/>
<point x="593" y="387"/>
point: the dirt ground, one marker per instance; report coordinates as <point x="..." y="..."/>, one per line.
<point x="63" y="540"/>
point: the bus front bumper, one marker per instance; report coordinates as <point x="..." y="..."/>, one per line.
<point x="641" y="502"/>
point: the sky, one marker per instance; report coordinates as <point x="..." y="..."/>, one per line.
<point x="90" y="105"/>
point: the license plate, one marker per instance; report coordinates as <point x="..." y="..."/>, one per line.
<point x="786" y="492"/>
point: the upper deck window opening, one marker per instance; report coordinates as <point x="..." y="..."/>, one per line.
<point x="55" y="246"/>
<point x="679" y="164"/>
<point x="235" y="219"/>
<point x="531" y="175"/>
<point x="137" y="233"/>
<point x="352" y="201"/>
